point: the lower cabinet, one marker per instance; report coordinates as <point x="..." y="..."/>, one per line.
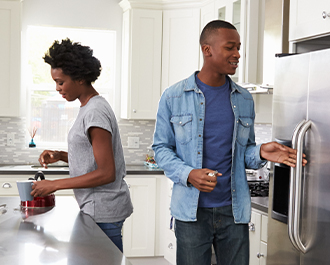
<point x="143" y="231"/>
<point x="258" y="237"/>
<point x="170" y="239"/>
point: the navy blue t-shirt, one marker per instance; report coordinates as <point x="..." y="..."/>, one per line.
<point x="217" y="142"/>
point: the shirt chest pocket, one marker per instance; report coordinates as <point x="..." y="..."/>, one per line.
<point x="243" y="130"/>
<point x="182" y="126"/>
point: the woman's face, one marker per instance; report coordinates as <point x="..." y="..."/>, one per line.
<point x="69" y="89"/>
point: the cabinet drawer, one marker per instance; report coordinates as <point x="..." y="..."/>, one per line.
<point x="8" y="187"/>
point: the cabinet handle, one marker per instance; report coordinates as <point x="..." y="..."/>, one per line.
<point x="6" y="185"/>
<point x="325" y="14"/>
<point x="134" y="110"/>
<point x="170" y="246"/>
<point x="260" y="255"/>
<point x="252" y="227"/>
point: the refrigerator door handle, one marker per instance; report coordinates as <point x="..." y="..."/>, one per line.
<point x="296" y="226"/>
<point x="293" y="188"/>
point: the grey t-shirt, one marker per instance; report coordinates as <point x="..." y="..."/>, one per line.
<point x="107" y="203"/>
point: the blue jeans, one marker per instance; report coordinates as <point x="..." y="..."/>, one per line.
<point x="214" y="226"/>
<point x="113" y="231"/>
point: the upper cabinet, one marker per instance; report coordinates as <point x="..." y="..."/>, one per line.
<point x="10" y="58"/>
<point x="309" y="19"/>
<point x="180" y="56"/>
<point x="141" y="63"/>
<point x="161" y="46"/>
<point x="245" y="16"/>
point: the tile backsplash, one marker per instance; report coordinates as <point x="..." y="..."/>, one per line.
<point x="19" y="153"/>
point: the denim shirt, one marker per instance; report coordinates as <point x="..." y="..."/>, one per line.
<point x="178" y="146"/>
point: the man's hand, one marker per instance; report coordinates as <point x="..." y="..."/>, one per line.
<point x="279" y="153"/>
<point x="201" y="179"/>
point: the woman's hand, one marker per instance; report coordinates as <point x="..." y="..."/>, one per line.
<point x="43" y="188"/>
<point x="48" y="157"/>
<point x="279" y="153"/>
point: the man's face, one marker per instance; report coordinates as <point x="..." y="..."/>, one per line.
<point x="224" y="50"/>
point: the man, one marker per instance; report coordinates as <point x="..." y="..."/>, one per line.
<point x="205" y="125"/>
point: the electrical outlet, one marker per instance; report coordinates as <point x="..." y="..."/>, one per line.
<point x="10" y="139"/>
<point x="133" y="142"/>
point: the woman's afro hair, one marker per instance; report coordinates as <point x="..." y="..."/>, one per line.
<point x="75" y="60"/>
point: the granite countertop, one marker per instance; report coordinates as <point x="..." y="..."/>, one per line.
<point x="64" y="170"/>
<point x="53" y="235"/>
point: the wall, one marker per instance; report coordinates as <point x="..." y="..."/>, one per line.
<point x="20" y="153"/>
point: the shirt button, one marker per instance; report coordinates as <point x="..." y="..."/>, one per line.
<point x="237" y="121"/>
<point x="180" y="122"/>
<point x="200" y="119"/>
<point x="201" y="103"/>
<point x="234" y="106"/>
<point x="233" y="190"/>
<point x="199" y="135"/>
<point x="199" y="153"/>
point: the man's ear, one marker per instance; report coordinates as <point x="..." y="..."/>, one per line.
<point x="206" y="50"/>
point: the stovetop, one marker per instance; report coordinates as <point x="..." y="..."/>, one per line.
<point x="259" y="188"/>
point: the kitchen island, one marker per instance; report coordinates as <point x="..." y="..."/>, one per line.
<point x="53" y="235"/>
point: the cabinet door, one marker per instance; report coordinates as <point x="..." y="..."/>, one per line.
<point x="10" y="53"/>
<point x="306" y="19"/>
<point x="207" y="15"/>
<point x="255" y="233"/>
<point x="139" y="228"/>
<point x="263" y="254"/>
<point x="180" y="54"/>
<point x="244" y="15"/>
<point x="141" y="63"/>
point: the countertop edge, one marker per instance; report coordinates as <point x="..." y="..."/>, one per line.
<point x="260" y="203"/>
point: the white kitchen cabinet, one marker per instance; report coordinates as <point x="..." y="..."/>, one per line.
<point x="143" y="231"/>
<point x="141" y="63"/>
<point x="244" y="15"/>
<point x="9" y="188"/>
<point x="180" y="54"/>
<point x="170" y="239"/>
<point x="258" y="237"/>
<point x="309" y="19"/>
<point x="10" y="58"/>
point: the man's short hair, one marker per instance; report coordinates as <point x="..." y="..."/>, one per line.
<point x="213" y="26"/>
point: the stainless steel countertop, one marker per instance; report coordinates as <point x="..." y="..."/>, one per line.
<point x="260" y="203"/>
<point x="58" y="235"/>
<point x="64" y="170"/>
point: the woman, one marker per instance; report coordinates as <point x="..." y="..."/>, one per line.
<point x="95" y="154"/>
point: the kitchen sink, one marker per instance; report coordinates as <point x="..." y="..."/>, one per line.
<point x="56" y="167"/>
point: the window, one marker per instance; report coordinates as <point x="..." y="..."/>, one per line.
<point x="52" y="115"/>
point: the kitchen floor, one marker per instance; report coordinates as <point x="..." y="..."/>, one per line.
<point x="149" y="261"/>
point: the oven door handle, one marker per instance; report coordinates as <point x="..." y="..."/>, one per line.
<point x="296" y="226"/>
<point x="293" y="188"/>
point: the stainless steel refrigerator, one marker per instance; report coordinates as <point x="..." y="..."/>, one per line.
<point x="299" y="208"/>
